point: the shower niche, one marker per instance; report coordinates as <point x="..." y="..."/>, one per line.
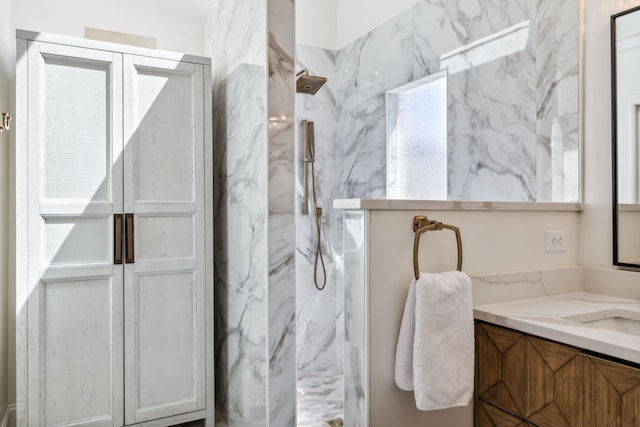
<point x="417" y="139"/>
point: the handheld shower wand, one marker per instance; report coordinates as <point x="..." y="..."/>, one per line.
<point x="308" y="140"/>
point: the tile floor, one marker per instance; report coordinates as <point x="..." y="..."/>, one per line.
<point x="320" y="397"/>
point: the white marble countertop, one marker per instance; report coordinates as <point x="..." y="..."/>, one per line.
<point x="559" y="318"/>
<point x="450" y="205"/>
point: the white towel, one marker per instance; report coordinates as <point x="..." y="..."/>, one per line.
<point x="435" y="351"/>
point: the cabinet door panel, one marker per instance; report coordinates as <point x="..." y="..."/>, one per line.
<point x="165" y="287"/>
<point x="77" y="340"/>
<point x="534" y="379"/>
<point x="610" y="393"/>
<point x="166" y="336"/>
<point x="75" y="372"/>
<point x="489" y="416"/>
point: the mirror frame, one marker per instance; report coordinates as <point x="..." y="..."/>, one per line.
<point x="614" y="139"/>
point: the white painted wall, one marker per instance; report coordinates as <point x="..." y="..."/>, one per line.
<point x="595" y="235"/>
<point x="6" y="73"/>
<point x="178" y="26"/>
<point x="358" y="17"/>
<point x="332" y="24"/>
<point x="316" y="23"/>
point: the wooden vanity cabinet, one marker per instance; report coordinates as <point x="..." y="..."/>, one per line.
<point x="523" y="380"/>
<point x="611" y="394"/>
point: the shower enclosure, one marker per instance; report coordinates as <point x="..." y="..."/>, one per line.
<point x="319" y="302"/>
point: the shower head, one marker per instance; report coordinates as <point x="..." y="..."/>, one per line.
<point x="308" y="84"/>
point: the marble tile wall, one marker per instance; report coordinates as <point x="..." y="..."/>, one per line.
<point x="366" y="69"/>
<point x="318" y="332"/>
<point x="235" y="34"/>
<point x="252" y="46"/>
<point x="513" y="96"/>
<point x="356" y="312"/>
<point x="240" y="247"/>
<point x="281" y="245"/>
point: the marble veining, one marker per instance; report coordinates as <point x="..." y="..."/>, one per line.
<point x="511" y="64"/>
<point x="239" y="169"/>
<point x="558" y="32"/>
<point x="493" y="164"/>
<point x="316" y="331"/>
<point x="240" y="246"/>
<point x="242" y="37"/>
<point x="379" y="61"/>
<point x="496" y="288"/>
<point x="240" y="356"/>
<point x="281" y="245"/>
<point x="319" y="333"/>
<point x="355" y="377"/>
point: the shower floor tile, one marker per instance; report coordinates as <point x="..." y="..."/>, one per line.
<point x="320" y="397"/>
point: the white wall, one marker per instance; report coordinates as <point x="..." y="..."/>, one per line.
<point x="332" y="24"/>
<point x="6" y="73"/>
<point x="595" y="234"/>
<point x="358" y="17"/>
<point x="316" y="22"/>
<point x="178" y="26"/>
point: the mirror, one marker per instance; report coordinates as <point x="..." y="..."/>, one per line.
<point x="625" y="106"/>
<point x="511" y="131"/>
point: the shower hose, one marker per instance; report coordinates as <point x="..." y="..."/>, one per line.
<point x="319" y="257"/>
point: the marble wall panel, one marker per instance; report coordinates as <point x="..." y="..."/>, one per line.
<point x="240" y="246"/>
<point x="354" y="279"/>
<point x="441" y="27"/>
<point x="510" y="64"/>
<point x="236" y="34"/>
<point x="557" y="158"/>
<point x="281" y="246"/>
<point x="557" y="64"/>
<point x="494" y="164"/>
<point x="282" y="363"/>
<point x="355" y="377"/>
<point x="240" y="171"/>
<point x="367" y="68"/>
<point x="316" y="315"/>
<point x="241" y="365"/>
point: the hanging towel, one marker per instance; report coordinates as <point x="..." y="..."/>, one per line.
<point x="435" y="351"/>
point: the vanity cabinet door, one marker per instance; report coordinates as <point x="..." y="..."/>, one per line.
<point x="490" y="416"/>
<point x="536" y="380"/>
<point x="500" y="369"/>
<point x="611" y="393"/>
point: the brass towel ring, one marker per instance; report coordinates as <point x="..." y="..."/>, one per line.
<point x="422" y="224"/>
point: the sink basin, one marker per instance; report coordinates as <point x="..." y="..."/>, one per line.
<point x="625" y="321"/>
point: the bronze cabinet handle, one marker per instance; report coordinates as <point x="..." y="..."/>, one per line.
<point x="117" y="237"/>
<point x="128" y="219"/>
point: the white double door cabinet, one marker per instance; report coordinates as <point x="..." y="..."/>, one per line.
<point x="114" y="293"/>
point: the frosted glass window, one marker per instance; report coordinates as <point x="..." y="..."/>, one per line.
<point x="417" y="139"/>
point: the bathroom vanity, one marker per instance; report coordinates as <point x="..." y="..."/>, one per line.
<point x="559" y="346"/>
<point x="566" y="360"/>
